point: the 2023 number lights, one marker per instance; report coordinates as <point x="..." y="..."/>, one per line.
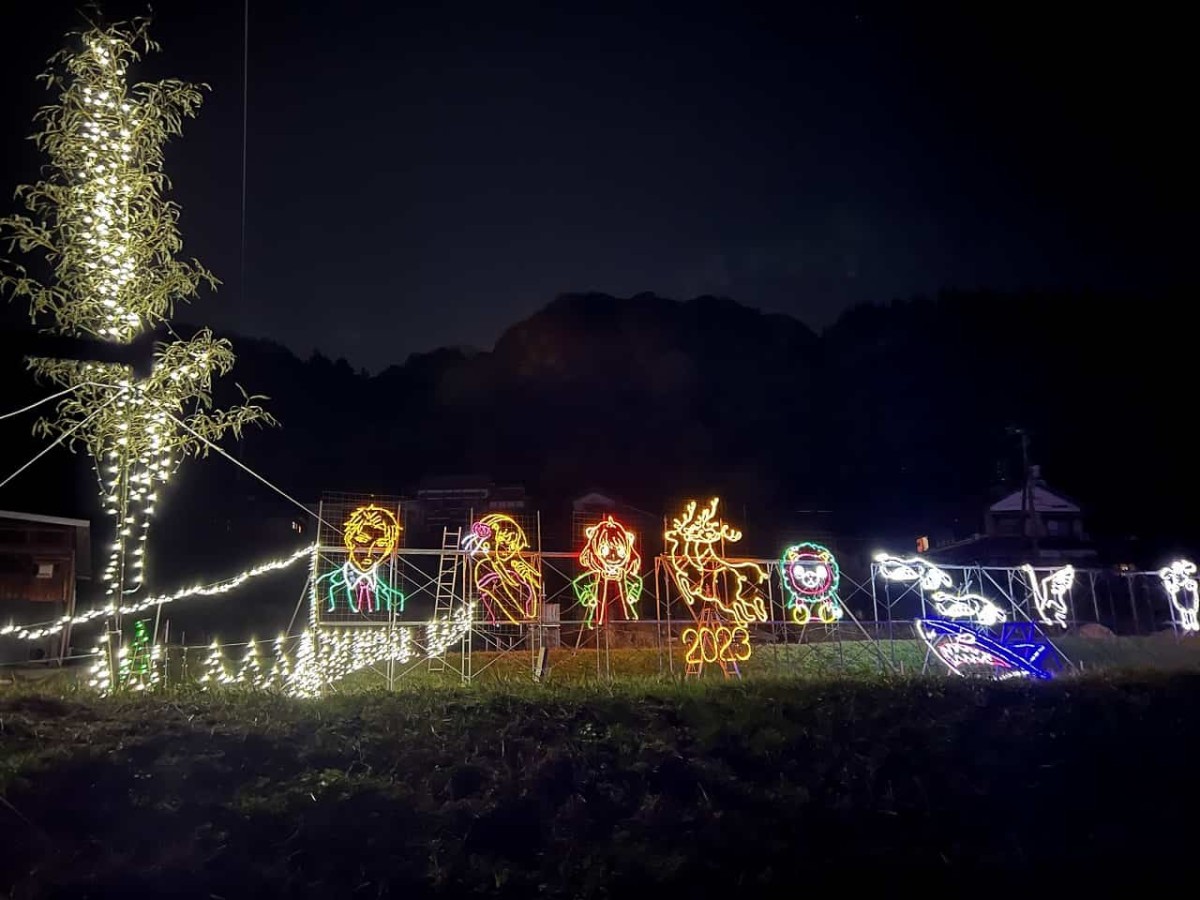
<point x="723" y="595"/>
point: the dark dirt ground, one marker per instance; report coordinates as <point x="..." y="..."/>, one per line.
<point x="704" y="790"/>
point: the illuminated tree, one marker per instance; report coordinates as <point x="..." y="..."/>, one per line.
<point x="102" y="227"/>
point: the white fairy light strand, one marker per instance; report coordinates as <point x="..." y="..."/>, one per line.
<point x="33" y="633"/>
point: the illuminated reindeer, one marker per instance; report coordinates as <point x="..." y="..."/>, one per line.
<point x="700" y="570"/>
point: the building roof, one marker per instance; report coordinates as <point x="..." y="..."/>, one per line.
<point x="83" y="535"/>
<point x="593" y="498"/>
<point x="1044" y="500"/>
<point x="44" y="520"/>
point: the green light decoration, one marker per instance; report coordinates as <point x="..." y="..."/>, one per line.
<point x="100" y="223"/>
<point x="139" y="651"/>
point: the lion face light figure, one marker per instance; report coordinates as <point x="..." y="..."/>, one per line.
<point x="811" y="576"/>
<point x="611" y="566"/>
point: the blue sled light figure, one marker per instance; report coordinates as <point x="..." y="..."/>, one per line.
<point x="971" y="651"/>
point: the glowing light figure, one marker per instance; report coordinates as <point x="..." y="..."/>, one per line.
<point x="508" y="584"/>
<point x="703" y="575"/>
<point x="612" y="566"/>
<point x="966" y="651"/>
<point x="913" y="568"/>
<point x="371" y="535"/>
<point x="1179" y="581"/>
<point x="811" y="576"/>
<point x="336" y="652"/>
<point x="1049" y="594"/>
<point x="975" y="607"/>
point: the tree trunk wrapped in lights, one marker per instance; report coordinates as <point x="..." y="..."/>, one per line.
<point x="110" y="240"/>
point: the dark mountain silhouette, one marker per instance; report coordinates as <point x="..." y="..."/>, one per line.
<point x="896" y="419"/>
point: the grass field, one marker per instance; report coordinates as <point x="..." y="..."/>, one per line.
<point x="578" y="788"/>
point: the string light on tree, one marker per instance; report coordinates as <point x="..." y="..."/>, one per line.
<point x="100" y="224"/>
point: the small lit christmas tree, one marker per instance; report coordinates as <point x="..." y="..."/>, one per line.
<point x="281" y="673"/>
<point x="141" y="662"/>
<point x="251" y="673"/>
<point x="214" y="668"/>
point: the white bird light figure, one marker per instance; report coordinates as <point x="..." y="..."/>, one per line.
<point x="1049" y="593"/>
<point x="1179" y="581"/>
<point x="975" y="607"/>
<point x="893" y="568"/>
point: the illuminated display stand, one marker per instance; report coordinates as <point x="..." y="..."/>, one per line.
<point x="490" y="592"/>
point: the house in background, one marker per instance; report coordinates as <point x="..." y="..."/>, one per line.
<point x="1045" y="527"/>
<point x="451" y="501"/>
<point x="593" y="506"/>
<point x="42" y="560"/>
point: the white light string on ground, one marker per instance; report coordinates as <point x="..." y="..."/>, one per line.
<point x="35" y="632"/>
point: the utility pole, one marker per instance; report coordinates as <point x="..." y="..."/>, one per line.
<point x="1028" y="511"/>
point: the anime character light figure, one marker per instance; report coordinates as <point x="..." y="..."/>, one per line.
<point x="811" y="577"/>
<point x="507" y="583"/>
<point x="612" y="567"/>
<point x="371" y="535"/>
<point x="704" y="576"/>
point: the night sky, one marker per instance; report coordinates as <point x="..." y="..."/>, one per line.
<point x="426" y="176"/>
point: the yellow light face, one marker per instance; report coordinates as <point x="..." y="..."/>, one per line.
<point x="371" y="535"/>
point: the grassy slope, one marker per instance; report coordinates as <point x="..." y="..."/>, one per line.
<point x="586" y="791"/>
